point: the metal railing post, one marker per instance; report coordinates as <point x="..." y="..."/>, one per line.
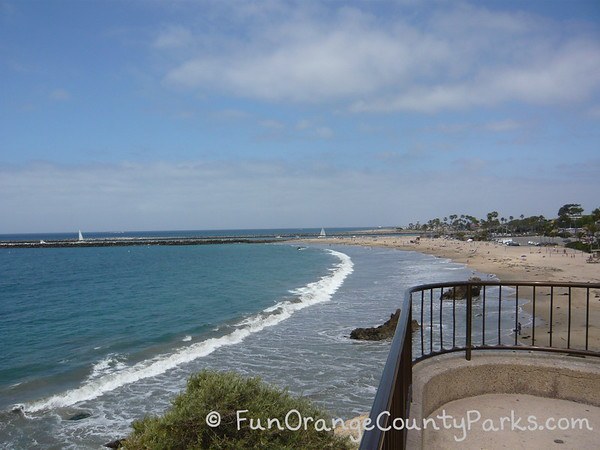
<point x="395" y="388"/>
<point x="469" y="330"/>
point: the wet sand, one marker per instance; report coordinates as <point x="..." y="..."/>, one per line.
<point x="523" y="263"/>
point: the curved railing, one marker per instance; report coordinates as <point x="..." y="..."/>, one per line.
<point x="475" y="315"/>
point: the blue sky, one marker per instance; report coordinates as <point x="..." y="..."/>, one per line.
<point x="229" y="114"/>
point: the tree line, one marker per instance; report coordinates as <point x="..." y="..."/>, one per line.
<point x="570" y="222"/>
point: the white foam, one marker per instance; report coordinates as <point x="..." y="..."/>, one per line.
<point x="112" y="363"/>
<point x="313" y="293"/>
<point x="187" y="339"/>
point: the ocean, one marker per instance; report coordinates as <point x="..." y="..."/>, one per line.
<point x="112" y="334"/>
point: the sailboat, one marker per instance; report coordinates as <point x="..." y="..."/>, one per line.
<point x="80" y="236"/>
<point x="322" y="233"/>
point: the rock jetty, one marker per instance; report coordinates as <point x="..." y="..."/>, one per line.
<point x="460" y="292"/>
<point x="385" y="331"/>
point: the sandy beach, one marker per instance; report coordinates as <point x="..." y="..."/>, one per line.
<point x="523" y="263"/>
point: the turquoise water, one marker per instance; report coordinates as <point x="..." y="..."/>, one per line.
<point x="115" y="332"/>
<point x="64" y="310"/>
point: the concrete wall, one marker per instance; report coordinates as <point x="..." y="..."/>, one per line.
<point x="566" y="378"/>
<point x="443" y="379"/>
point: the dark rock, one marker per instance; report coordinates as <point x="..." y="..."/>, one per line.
<point x="80" y="416"/>
<point x="460" y="292"/>
<point x="414" y="325"/>
<point x="385" y="331"/>
<point x="117" y="443"/>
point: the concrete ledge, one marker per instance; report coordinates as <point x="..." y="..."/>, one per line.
<point x="442" y="379"/>
<point x="536" y="420"/>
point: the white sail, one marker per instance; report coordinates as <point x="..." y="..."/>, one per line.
<point x="80" y="236"/>
<point x="322" y="233"/>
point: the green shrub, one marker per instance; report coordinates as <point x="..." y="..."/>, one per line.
<point x="481" y="236"/>
<point x="578" y="245"/>
<point x="184" y="425"/>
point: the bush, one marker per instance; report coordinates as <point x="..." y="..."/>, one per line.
<point x="184" y="425"/>
<point x="578" y="245"/>
<point x="481" y="236"/>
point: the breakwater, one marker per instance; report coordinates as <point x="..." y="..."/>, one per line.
<point x="123" y="242"/>
<point x="59" y="240"/>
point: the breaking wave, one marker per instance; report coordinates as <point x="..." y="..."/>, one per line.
<point x="110" y="373"/>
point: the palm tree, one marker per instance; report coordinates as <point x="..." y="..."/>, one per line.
<point x="591" y="229"/>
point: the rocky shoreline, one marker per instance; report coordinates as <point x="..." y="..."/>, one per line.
<point x="385" y="331"/>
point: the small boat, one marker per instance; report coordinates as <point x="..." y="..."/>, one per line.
<point x="80" y="236"/>
<point x="322" y="233"/>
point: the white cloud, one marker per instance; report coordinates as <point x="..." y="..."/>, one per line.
<point x="303" y="129"/>
<point x="60" y="95"/>
<point x="452" y="128"/>
<point x="565" y="78"/>
<point x="272" y="124"/>
<point x="594" y="112"/>
<point x="503" y="125"/>
<point x="324" y="132"/>
<point x="167" y="195"/>
<point x="464" y="20"/>
<point x="6" y="8"/>
<point x="387" y="156"/>
<point x="420" y="99"/>
<point x="496" y="126"/>
<point x="468" y="166"/>
<point x="197" y="195"/>
<point x="567" y="74"/>
<point x="309" y="128"/>
<point x="231" y="114"/>
<point x="313" y="61"/>
<point x="456" y="58"/>
<point x="303" y="124"/>
<point x="173" y="37"/>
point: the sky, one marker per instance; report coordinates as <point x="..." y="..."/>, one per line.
<point x="174" y="115"/>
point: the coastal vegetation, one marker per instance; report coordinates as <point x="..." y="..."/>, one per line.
<point x="570" y="222"/>
<point x="184" y="426"/>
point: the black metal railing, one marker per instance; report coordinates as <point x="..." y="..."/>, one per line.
<point x="475" y="315"/>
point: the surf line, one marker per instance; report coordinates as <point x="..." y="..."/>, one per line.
<point x="316" y="292"/>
